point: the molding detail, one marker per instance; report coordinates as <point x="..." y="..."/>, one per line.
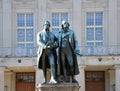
<point x="27" y="4"/>
<point x="117" y="66"/>
<point x="94" y="3"/>
<point x="58" y="1"/>
<point x="23" y="1"/>
<point x="93" y="0"/>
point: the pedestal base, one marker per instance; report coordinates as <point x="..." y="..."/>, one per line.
<point x="58" y="87"/>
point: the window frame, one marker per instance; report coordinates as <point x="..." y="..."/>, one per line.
<point x="25" y="42"/>
<point x="94" y="26"/>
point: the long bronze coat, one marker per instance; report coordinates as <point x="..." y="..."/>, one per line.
<point x="73" y="47"/>
<point x="41" y="40"/>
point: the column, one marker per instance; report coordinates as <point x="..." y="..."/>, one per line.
<point x="7" y="26"/>
<point x="111" y="80"/>
<point x="81" y="77"/>
<point x="42" y="9"/>
<point x="9" y="81"/>
<point x="1" y="41"/>
<point x="117" y="77"/>
<point x="1" y="79"/>
<point x="112" y="21"/>
<point x="76" y="18"/>
<point x="39" y="16"/>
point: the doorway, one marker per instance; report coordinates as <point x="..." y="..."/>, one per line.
<point x="25" y="81"/>
<point x="95" y="80"/>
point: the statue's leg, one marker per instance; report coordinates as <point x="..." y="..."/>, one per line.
<point x="71" y="66"/>
<point x="52" y="68"/>
<point x="44" y="68"/>
<point x="70" y="62"/>
<point x="64" y="67"/>
<point x="45" y="75"/>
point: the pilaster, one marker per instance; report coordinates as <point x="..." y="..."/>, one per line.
<point x="44" y="10"/>
<point x="81" y="77"/>
<point x="2" y="79"/>
<point x="1" y="27"/>
<point x="117" y="77"/>
<point x="112" y="22"/>
<point x="111" y="79"/>
<point x="6" y="20"/>
<point x="76" y="18"/>
<point x="8" y="81"/>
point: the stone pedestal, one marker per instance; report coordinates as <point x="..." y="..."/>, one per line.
<point x="58" y="87"/>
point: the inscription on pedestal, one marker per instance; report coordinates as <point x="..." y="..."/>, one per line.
<point x="58" y="87"/>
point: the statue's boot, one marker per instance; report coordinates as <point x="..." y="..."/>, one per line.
<point x="53" y="81"/>
<point x="74" y="80"/>
<point x="65" y="79"/>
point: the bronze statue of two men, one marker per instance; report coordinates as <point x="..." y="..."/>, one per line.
<point x="62" y="62"/>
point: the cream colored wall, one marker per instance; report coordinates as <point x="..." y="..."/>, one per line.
<point x="13" y="62"/>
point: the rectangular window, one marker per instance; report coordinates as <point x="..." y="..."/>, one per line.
<point x="25" y="34"/>
<point x="94" y="32"/>
<point x="25" y="77"/>
<point x="57" y="19"/>
<point x="95" y="76"/>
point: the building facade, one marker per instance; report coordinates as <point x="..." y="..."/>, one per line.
<point x="96" y="23"/>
